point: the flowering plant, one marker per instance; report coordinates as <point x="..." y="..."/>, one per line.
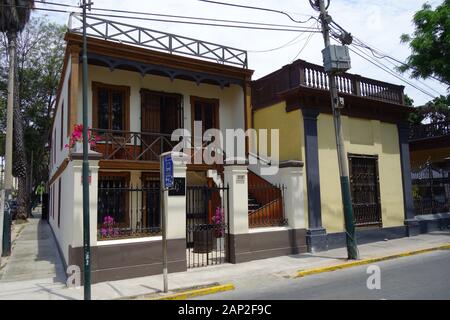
<point x="107" y="229"/>
<point x="77" y="136"/>
<point x="218" y="221"/>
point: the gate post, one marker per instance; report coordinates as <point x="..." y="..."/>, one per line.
<point x="235" y="174"/>
<point x="175" y="214"/>
<point x="291" y="176"/>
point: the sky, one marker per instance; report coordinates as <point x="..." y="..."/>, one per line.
<point x="379" y="23"/>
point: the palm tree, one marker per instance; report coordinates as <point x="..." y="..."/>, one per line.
<point x="14" y="15"/>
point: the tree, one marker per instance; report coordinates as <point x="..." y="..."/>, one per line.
<point x="430" y="43"/>
<point x="13" y="18"/>
<point x="40" y="53"/>
<point x="436" y="110"/>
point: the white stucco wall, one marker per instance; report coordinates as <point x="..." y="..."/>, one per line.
<point x="61" y="153"/>
<point x="231" y="99"/>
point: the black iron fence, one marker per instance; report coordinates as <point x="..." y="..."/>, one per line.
<point x="207" y="225"/>
<point x="126" y="211"/>
<point x="431" y="190"/>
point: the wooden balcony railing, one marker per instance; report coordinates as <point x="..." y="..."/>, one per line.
<point x="143" y="146"/>
<point x="127" y="145"/>
<point x="430" y="130"/>
<point x="265" y="207"/>
<point x="302" y="73"/>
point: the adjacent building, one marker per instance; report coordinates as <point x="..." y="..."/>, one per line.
<point x="296" y="100"/>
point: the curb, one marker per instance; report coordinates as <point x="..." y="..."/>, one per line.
<point x="191" y="293"/>
<point x="303" y="273"/>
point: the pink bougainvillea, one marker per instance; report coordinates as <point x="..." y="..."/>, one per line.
<point x="108" y="228"/>
<point x="77" y="136"/>
<point x="218" y="221"/>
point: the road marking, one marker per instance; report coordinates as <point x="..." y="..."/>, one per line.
<point x="303" y="273"/>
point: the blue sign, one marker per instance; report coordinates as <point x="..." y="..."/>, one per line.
<point x="168" y="172"/>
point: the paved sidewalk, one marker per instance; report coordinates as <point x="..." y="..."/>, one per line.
<point x="281" y="267"/>
<point x="34" y="264"/>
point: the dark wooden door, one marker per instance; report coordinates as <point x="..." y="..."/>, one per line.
<point x="160" y="116"/>
<point x="364" y="184"/>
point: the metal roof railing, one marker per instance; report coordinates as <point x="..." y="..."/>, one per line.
<point x="157" y="40"/>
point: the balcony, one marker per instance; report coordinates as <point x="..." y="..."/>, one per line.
<point x="134" y="146"/>
<point x="302" y="74"/>
<point x="430" y="130"/>
<point x="118" y="145"/>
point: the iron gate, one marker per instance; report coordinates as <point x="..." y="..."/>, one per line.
<point x="365" y="191"/>
<point x="207" y="227"/>
<point x="431" y="189"/>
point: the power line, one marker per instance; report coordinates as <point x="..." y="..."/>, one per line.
<point x="391" y="72"/>
<point x="395" y="66"/>
<point x="173" y="16"/>
<point x="387" y="69"/>
<point x="296" y="29"/>
<point x="304" y="46"/>
<point x="35" y="8"/>
<point x="259" y="8"/>
<point x="382" y="55"/>
<point x="291" y="42"/>
<point x="304" y="29"/>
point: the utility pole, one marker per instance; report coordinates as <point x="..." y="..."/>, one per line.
<point x="86" y="215"/>
<point x="352" y="249"/>
<point x="6" y="230"/>
<point x="30" y="185"/>
<point x="9" y="115"/>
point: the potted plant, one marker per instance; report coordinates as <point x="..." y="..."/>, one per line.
<point x="108" y="228"/>
<point x="217" y="219"/>
<point x="76" y="139"/>
<point x="205" y="238"/>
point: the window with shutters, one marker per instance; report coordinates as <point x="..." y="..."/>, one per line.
<point x="110" y="107"/>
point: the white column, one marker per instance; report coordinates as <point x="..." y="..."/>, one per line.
<point x="236" y="179"/>
<point x="175" y="206"/>
<point x="77" y="165"/>
<point x="291" y="176"/>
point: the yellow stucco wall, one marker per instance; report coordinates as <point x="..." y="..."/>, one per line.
<point x="369" y="137"/>
<point x="291" y="146"/>
<point x="275" y="117"/>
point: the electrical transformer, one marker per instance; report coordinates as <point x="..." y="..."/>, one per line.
<point x="336" y="59"/>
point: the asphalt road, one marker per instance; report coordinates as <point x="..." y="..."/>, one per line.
<point x="424" y="276"/>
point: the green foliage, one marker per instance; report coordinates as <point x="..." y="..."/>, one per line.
<point x="15" y="14"/>
<point x="409" y="101"/>
<point x="40" y="53"/>
<point x="430" y="43"/>
<point x="436" y="110"/>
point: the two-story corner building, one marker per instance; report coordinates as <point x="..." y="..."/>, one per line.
<point x="296" y="100"/>
<point x="142" y="85"/>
